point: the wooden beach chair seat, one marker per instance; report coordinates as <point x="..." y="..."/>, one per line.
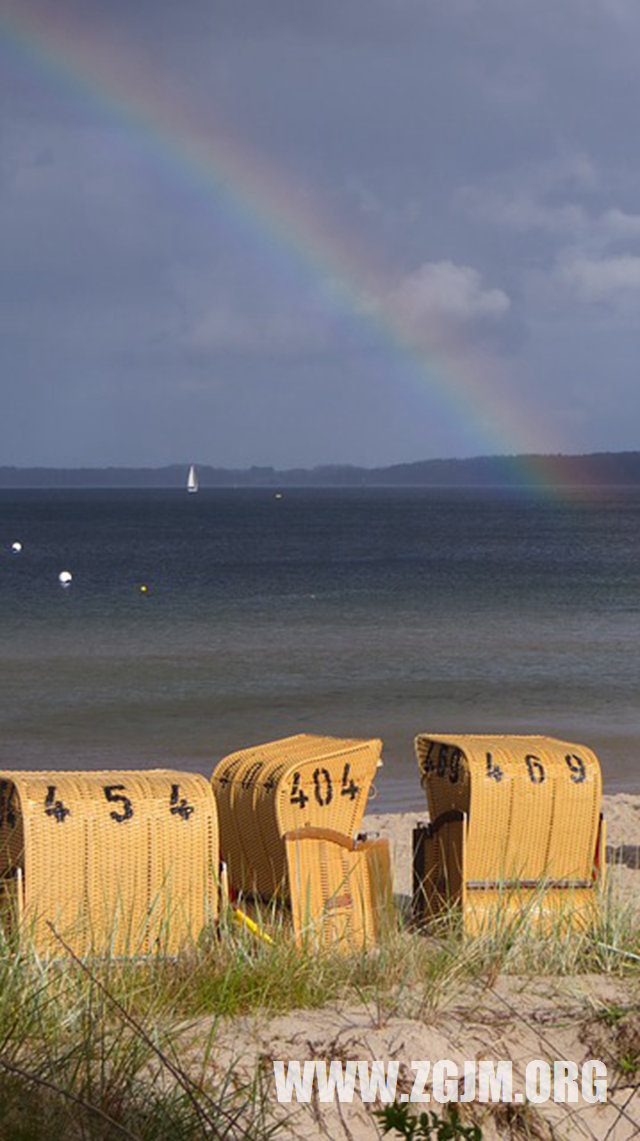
<point x="515" y="830"/>
<point x="340" y="888"/>
<point x="120" y="861"/>
<point x="271" y="789"/>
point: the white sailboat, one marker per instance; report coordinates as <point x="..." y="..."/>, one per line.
<point x="192" y="480"/>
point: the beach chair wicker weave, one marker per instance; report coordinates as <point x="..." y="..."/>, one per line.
<point x="340" y="889"/>
<point x="515" y="824"/>
<point x="270" y="789"/>
<point x="120" y="861"/>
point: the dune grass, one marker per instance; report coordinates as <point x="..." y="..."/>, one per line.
<point x="97" y="1050"/>
<point x="234" y="973"/>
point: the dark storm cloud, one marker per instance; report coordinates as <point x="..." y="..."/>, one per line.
<point x="482" y="154"/>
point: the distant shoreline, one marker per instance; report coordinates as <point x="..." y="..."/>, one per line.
<point x="599" y="469"/>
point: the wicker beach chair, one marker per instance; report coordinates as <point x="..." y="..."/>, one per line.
<point x="121" y="862"/>
<point x="515" y="830"/>
<point x="340" y="888"/>
<point x="271" y="789"/>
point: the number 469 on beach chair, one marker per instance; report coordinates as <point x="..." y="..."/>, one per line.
<point x="515" y="831"/>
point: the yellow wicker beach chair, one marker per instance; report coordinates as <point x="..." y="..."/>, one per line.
<point x="340" y="889"/>
<point x="120" y="862"/>
<point x="515" y="830"/>
<point x="271" y="789"/>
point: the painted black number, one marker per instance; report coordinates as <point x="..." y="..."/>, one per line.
<point x="298" y="795"/>
<point x="179" y="804"/>
<point x="534" y="768"/>
<point x="576" y="765"/>
<point x="454" y="765"/>
<point x="113" y="795"/>
<point x="427" y="766"/>
<point x="494" y="772"/>
<point x="320" y="777"/>
<point x="250" y="775"/>
<point x="270" y="784"/>
<point x="443" y="757"/>
<point x="53" y="807"/>
<point x="349" y="786"/>
<point x="7" y="810"/>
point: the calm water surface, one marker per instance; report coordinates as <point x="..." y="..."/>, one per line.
<point x="373" y="612"/>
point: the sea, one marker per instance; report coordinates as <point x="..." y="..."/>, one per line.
<point x="196" y="625"/>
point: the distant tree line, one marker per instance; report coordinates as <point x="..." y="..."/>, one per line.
<point x="598" y="469"/>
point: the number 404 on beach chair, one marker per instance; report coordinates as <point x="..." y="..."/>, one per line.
<point x="515" y="832"/>
<point x="268" y="790"/>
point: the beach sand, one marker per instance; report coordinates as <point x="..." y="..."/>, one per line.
<point x="515" y="1018"/>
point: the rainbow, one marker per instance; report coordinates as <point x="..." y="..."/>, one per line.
<point x="92" y="64"/>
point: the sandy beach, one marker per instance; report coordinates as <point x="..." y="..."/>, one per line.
<point x="519" y="1018"/>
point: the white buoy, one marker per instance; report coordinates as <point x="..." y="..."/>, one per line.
<point x="64" y="578"/>
<point x="16" y="548"/>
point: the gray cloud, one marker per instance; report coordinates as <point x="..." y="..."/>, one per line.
<point x="443" y="289"/>
<point x="611" y="280"/>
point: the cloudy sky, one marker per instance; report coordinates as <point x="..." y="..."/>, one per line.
<point x="295" y="232"/>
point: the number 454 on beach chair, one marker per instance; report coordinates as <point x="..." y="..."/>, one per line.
<point x="515" y="831"/>
<point x="120" y="862"/>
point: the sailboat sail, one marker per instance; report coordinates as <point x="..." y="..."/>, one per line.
<point x="192" y="481"/>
